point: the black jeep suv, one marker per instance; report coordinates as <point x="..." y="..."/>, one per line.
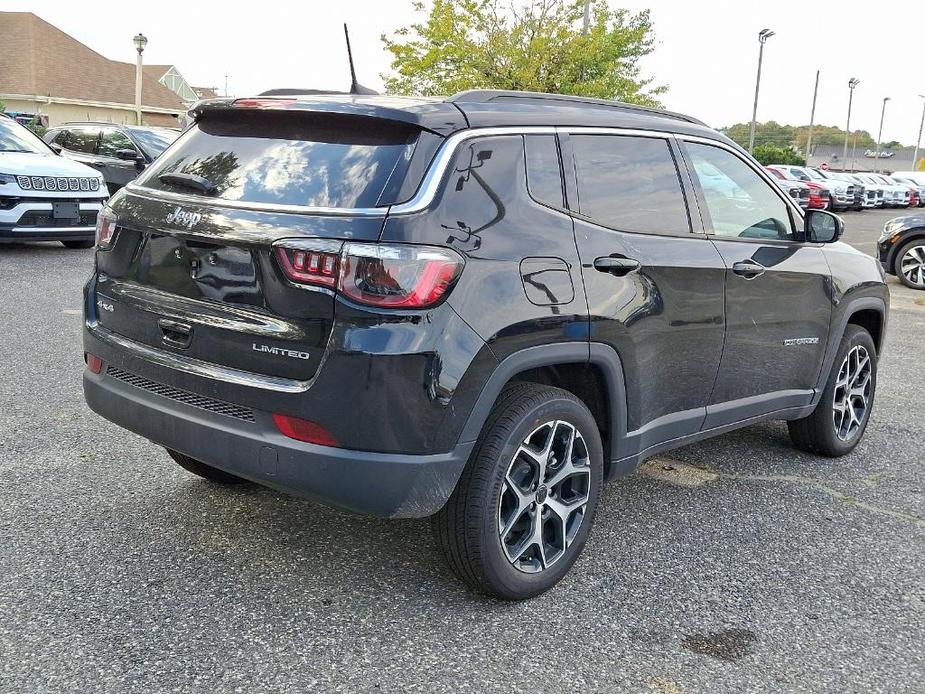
<point x="479" y="308"/>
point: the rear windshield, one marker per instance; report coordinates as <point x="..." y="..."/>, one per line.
<point x="291" y="159"/>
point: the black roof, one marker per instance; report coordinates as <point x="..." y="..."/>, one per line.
<point x="473" y="109"/>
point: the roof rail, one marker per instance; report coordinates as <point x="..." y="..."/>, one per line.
<point x="481" y="96"/>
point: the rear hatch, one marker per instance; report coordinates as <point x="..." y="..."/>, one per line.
<point x="191" y="268"/>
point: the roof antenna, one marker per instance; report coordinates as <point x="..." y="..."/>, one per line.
<point x="355" y="87"/>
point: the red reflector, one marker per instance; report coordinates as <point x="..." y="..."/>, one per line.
<point x="94" y="363"/>
<point x="304" y="430"/>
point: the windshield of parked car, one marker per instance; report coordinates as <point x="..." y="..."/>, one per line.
<point x="16" y="138"/>
<point x="814" y="174"/>
<point x="153" y="140"/>
<point x="783" y="173"/>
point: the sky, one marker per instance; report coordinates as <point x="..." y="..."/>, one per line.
<point x="706" y="52"/>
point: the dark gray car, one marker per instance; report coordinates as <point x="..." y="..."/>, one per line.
<point x="119" y="152"/>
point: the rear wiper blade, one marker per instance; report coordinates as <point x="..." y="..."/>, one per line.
<point x="188" y="180"/>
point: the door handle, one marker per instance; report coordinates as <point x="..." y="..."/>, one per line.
<point x="616" y="266"/>
<point x="748" y="269"/>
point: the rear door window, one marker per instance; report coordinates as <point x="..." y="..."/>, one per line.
<point x="83" y="140"/>
<point x="112" y="141"/>
<point x="630" y="184"/>
<point x="292" y="159"/>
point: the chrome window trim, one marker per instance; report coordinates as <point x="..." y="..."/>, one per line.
<point x="430" y="184"/>
<point x="197" y="367"/>
<point x="421" y="200"/>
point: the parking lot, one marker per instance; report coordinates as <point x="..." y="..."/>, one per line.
<point x="733" y="565"/>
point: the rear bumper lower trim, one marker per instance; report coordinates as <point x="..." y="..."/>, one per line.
<point x="197" y="367"/>
<point x="389" y="485"/>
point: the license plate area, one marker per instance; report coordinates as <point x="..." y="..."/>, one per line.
<point x="65" y="211"/>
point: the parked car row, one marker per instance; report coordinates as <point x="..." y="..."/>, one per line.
<point x="834" y="190"/>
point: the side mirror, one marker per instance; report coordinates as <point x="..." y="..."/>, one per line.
<point x="55" y="148"/>
<point x="127" y="154"/>
<point x="820" y="226"/>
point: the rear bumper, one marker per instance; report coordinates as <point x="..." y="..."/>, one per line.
<point x="380" y="484"/>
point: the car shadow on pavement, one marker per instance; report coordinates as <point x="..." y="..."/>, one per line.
<point x="302" y="550"/>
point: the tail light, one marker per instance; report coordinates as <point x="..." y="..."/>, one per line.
<point x="373" y="274"/>
<point x="397" y="276"/>
<point x="105" y="228"/>
<point x="311" y="262"/>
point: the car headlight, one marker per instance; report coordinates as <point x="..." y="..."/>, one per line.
<point x="891" y="227"/>
<point x="7" y="178"/>
<point x="840" y="190"/>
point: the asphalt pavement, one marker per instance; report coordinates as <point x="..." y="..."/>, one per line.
<point x="734" y="565"/>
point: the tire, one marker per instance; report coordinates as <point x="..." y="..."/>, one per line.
<point x="213" y="474"/>
<point x="78" y="244"/>
<point x="914" y="264"/>
<point x="502" y="483"/>
<point x="835" y="428"/>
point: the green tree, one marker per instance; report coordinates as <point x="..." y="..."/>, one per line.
<point x="772" y="133"/>
<point x="771" y="154"/>
<point x="537" y="45"/>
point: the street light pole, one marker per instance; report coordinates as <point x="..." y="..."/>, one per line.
<point x="140" y="42"/>
<point x="852" y="83"/>
<point x="880" y="132"/>
<point x="812" y="120"/>
<point x="918" y="142"/>
<point x="763" y="36"/>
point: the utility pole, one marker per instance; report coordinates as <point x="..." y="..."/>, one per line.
<point x="880" y="133"/>
<point x="918" y="142"/>
<point x="763" y="36"/>
<point x="812" y="120"/>
<point x="852" y="83"/>
<point x="587" y="20"/>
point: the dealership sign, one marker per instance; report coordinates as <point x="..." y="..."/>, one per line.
<point x="871" y="154"/>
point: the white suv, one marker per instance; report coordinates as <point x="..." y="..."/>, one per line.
<point x="44" y="197"/>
